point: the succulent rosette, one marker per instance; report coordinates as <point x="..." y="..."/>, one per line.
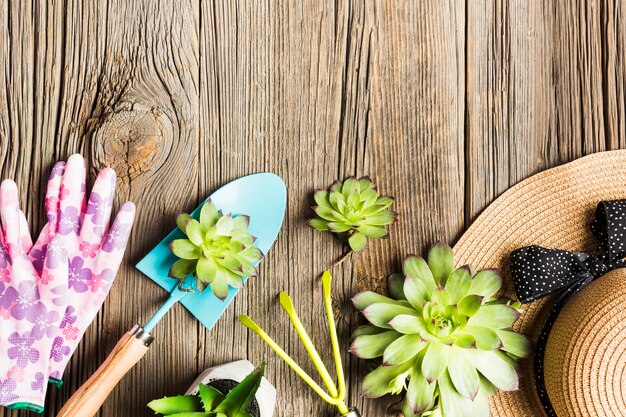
<point x="354" y="211"/>
<point x="443" y="335"/>
<point x="218" y="250"/>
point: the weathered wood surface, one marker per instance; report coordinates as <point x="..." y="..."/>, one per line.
<point x="444" y="103"/>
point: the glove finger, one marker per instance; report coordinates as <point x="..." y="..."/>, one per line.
<point x="54" y="274"/>
<point x="25" y="239"/>
<point x="98" y="212"/>
<point x="9" y="215"/>
<point x="72" y="195"/>
<point x="114" y="245"/>
<point x="53" y="191"/>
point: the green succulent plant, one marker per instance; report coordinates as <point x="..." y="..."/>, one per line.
<point x="218" y="250"/>
<point x="354" y="211"/>
<point x="443" y="335"/>
<point x="210" y="402"/>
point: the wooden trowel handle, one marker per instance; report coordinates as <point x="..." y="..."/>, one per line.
<point x="91" y="395"/>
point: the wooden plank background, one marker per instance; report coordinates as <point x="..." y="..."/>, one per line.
<point x="444" y="103"/>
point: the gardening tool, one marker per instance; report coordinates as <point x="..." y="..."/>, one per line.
<point x="336" y="393"/>
<point x="260" y="196"/>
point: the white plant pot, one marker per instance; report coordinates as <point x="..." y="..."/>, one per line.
<point x="237" y="371"/>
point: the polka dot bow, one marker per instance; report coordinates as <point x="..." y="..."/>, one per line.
<point x="537" y="272"/>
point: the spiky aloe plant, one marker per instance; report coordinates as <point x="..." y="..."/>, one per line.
<point x="354" y="211"/>
<point x="218" y="250"/>
<point x="210" y="402"/>
<point x="443" y="336"/>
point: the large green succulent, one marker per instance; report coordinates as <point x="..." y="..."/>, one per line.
<point x="354" y="211"/>
<point x="210" y="402"/>
<point x="218" y="250"/>
<point x="443" y="336"/>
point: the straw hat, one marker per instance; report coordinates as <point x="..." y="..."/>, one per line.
<point x="585" y="359"/>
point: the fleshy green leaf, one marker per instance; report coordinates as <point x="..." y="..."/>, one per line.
<point x="338" y="227"/>
<point x="420" y="393"/>
<point x="208" y="214"/>
<point x="367" y="329"/>
<point x="403" y="349"/>
<point x="206" y="269"/>
<point x="407" y="324"/>
<point x="486" y="283"/>
<point x="181" y="221"/>
<point x="357" y="241"/>
<point x="469" y="304"/>
<point x="415" y="292"/>
<point x="252" y="254"/>
<point x="241" y="222"/>
<point x="185" y="249"/>
<point x="321" y="198"/>
<point x="177" y="404"/>
<point x="182" y="267"/>
<point x="375" y="232"/>
<point x="328" y="214"/>
<point x="224" y="225"/>
<point x="441" y="262"/>
<point x="219" y="286"/>
<point x="493" y="367"/>
<point x="463" y="373"/>
<point x="209" y="396"/>
<point x="464" y="340"/>
<point x="194" y="232"/>
<point x="380" y="314"/>
<point x="369" y="196"/>
<point x="497" y="316"/>
<point x="386" y="380"/>
<point x="441" y="297"/>
<point x="414" y="266"/>
<point x="338" y="201"/>
<point x="395" y="286"/>
<point x="353" y="199"/>
<point x="458" y="284"/>
<point x="366" y="298"/>
<point x="351" y="185"/>
<point x="365" y="183"/>
<point x="384" y="201"/>
<point x="240" y="397"/>
<point x="515" y="343"/>
<point x="454" y="404"/>
<point x="381" y="218"/>
<point x="486" y="339"/>
<point x="435" y="361"/>
<point x="373" y="346"/>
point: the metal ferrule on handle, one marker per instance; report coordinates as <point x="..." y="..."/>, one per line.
<point x="88" y="399"/>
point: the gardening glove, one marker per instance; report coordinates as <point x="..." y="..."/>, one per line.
<point x="94" y="251"/>
<point x="32" y="304"/>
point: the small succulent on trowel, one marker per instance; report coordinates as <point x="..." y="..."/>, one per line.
<point x="210" y="402"/>
<point x="354" y="211"/>
<point x="444" y="331"/>
<point x="218" y="250"/>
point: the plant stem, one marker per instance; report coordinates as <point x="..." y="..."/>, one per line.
<point x="343" y="258"/>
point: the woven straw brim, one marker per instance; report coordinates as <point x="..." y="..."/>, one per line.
<point x="551" y="209"/>
<point x="585" y="362"/>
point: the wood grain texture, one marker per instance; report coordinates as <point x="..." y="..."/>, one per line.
<point x="445" y="104"/>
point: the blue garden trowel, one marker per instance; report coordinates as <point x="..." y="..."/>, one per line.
<point x="262" y="197"/>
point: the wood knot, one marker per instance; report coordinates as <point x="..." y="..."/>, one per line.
<point x="131" y="141"/>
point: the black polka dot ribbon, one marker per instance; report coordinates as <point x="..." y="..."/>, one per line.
<point x="538" y="271"/>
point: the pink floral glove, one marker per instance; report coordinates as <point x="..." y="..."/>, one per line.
<point x="94" y="251"/>
<point x="32" y="304"/>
